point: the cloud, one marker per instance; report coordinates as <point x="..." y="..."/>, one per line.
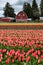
<point x="10" y="1"/>
<point x="19" y="5"/>
<point x="3" y="2"/>
<point x="1" y="13"/>
<point x="18" y="8"/>
<point x="21" y="2"/>
<point x="16" y="4"/>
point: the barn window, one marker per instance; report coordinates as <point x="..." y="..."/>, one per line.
<point x="19" y="14"/>
<point x="23" y="15"/>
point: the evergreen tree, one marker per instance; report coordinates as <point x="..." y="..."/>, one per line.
<point x="8" y="11"/>
<point x="27" y="9"/>
<point x="35" y="10"/>
<point x="41" y="8"/>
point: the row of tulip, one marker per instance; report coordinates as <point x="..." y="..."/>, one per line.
<point x="23" y="26"/>
<point x="12" y="55"/>
<point x="24" y="46"/>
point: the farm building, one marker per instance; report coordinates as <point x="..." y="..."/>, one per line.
<point x="6" y="19"/>
<point x="41" y="19"/>
<point x="21" y="16"/>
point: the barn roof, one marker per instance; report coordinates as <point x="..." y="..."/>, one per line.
<point x="22" y="12"/>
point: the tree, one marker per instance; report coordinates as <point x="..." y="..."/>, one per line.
<point x="41" y="7"/>
<point x="27" y="9"/>
<point x="8" y="10"/>
<point x="35" y="10"/>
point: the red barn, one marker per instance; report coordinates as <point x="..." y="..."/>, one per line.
<point x="6" y="19"/>
<point x="21" y="16"/>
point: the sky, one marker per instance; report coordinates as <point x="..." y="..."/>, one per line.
<point x="16" y="4"/>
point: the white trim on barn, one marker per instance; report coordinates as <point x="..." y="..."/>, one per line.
<point x="21" y="19"/>
<point x="41" y="18"/>
<point x="29" y="19"/>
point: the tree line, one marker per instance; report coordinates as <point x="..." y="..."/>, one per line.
<point x="33" y="11"/>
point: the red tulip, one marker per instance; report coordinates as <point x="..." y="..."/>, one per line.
<point x="38" y="52"/>
<point x="4" y="50"/>
<point x="39" y="60"/>
<point x="8" y="60"/>
<point x="1" y="50"/>
<point x="36" y="56"/>
<point x="12" y="60"/>
<point x="28" y="59"/>
<point x="22" y="58"/>
<point x="41" y="56"/>
<point x="19" y="58"/>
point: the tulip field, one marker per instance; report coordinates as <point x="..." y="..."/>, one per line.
<point x="21" y="47"/>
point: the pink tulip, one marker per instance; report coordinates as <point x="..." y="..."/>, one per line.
<point x="8" y="60"/>
<point x="28" y="59"/>
<point x="39" y="60"/>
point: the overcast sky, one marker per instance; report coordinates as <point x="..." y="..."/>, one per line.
<point x="16" y="4"/>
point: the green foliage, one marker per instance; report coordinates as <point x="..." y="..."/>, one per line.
<point x="27" y="9"/>
<point x="35" y="10"/>
<point x="8" y="10"/>
<point x="33" y="61"/>
<point x="41" y="7"/>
